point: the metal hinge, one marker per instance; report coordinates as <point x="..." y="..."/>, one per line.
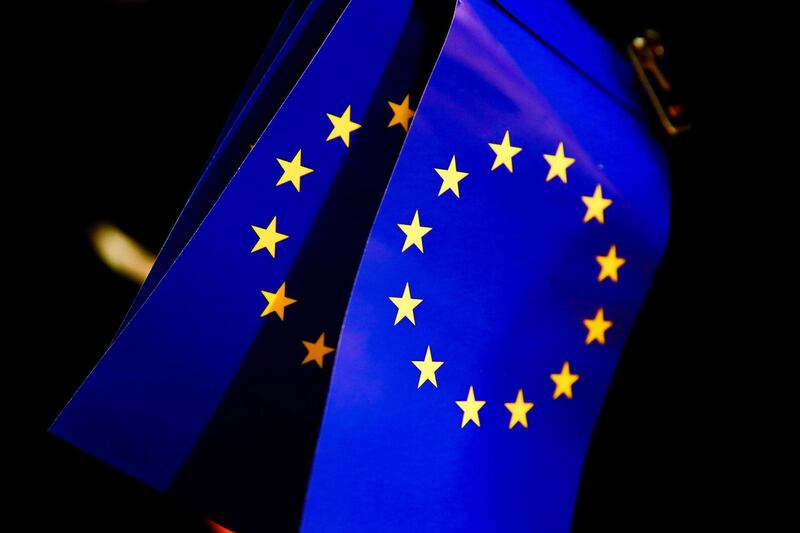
<point x="647" y="53"/>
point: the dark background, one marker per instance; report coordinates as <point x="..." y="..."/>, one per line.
<point x="123" y="103"/>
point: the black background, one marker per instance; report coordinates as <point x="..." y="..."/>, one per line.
<point x="123" y="102"/>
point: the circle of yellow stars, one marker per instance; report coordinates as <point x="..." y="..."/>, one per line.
<point x="596" y="327"/>
<point x="293" y="173"/>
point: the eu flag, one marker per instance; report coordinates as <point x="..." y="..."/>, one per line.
<point x="475" y="322"/>
<point x="213" y="389"/>
<point x="520" y="230"/>
<point x="302" y="29"/>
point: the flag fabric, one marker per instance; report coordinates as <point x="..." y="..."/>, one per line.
<point x="520" y="230"/>
<point x="230" y="354"/>
<point x="298" y="36"/>
<point x="475" y="322"/>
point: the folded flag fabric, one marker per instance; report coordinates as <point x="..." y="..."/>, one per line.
<point x="298" y="36"/>
<point x="482" y="311"/>
<point x="520" y="231"/>
<point x="214" y="389"/>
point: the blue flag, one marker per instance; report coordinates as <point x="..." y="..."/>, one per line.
<point x="519" y="233"/>
<point x="475" y="322"/>
<point x="298" y="36"/>
<point x="214" y="389"/>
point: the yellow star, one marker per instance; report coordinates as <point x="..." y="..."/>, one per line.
<point x="450" y="178"/>
<point x="564" y="382"/>
<point x="402" y="113"/>
<point x="519" y="410"/>
<point x="268" y="237"/>
<point x="316" y="350"/>
<point x="597" y="327"/>
<point x="610" y="264"/>
<point x="405" y="306"/>
<point x="427" y="369"/>
<point x="292" y="171"/>
<point x="558" y="164"/>
<point x="414" y="233"/>
<point x="342" y="127"/>
<point x="504" y="152"/>
<point x="277" y="301"/>
<point x="595" y="205"/>
<point x="470" y="406"/>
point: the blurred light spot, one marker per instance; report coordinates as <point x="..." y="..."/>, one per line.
<point x="120" y="253"/>
<point x="216" y="528"/>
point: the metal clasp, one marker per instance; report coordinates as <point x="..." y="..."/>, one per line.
<point x="646" y="54"/>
